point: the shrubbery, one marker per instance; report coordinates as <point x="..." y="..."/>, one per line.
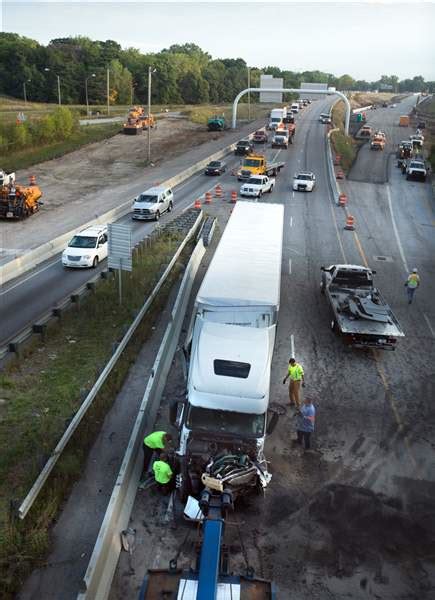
<point x="54" y="127"/>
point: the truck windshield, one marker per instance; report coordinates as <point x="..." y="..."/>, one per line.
<point x="147" y="198"/>
<point x="254" y="181"/>
<point x="251" y="162"/>
<point x="223" y="421"/>
<point x="83" y="241"/>
<point x="351" y="280"/>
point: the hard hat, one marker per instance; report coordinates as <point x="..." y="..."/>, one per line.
<point x="415" y="270"/>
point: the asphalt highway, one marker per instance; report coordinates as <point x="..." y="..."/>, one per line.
<point x="375" y="419"/>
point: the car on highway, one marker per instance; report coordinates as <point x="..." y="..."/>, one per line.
<point x="87" y="248"/>
<point x="260" y="137"/>
<point x="417" y="140"/>
<point x="256" y="186"/>
<point x="304" y="182"/>
<point x="152" y="203"/>
<point x="325" y="118"/>
<point x="244" y="147"/>
<point x="215" y="167"/>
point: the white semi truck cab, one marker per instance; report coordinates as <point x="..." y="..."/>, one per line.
<point x="225" y="417"/>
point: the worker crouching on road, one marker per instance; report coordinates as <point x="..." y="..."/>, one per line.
<point x="163" y="474"/>
<point x="296" y="375"/>
<point x="305" y="423"/>
<point x="155" y="442"/>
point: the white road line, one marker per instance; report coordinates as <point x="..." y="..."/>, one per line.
<point x="275" y="157"/>
<point x="292" y="346"/>
<point x="291" y="221"/>
<point x="289" y="266"/>
<point x="426" y="318"/>
<point x="396" y="232"/>
<point x="12" y="287"/>
<point x="293" y="194"/>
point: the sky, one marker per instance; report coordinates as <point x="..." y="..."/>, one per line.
<point x="365" y="39"/>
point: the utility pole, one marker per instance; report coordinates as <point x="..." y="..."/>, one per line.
<point x="249" y="94"/>
<point x="58" y="89"/>
<point x="86" y="92"/>
<point x="25" y="93"/>
<point x="108" y="92"/>
<point x="150" y="72"/>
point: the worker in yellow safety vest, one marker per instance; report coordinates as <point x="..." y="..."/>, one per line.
<point x="296" y="375"/>
<point x="163" y="473"/>
<point x="412" y="284"/>
<point x="155" y="442"/>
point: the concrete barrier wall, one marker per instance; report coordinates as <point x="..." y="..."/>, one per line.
<point x="101" y="569"/>
<point x="33" y="258"/>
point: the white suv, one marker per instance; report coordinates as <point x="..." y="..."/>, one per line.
<point x="152" y="203"/>
<point x="87" y="248"/>
<point x="304" y="182"/>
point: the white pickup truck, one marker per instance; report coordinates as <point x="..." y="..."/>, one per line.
<point x="257" y="185"/>
<point x="416" y="169"/>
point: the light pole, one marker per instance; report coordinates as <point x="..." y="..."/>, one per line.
<point x="86" y="91"/>
<point x="150" y="72"/>
<point x="58" y="86"/>
<point x="249" y="94"/>
<point x="108" y="92"/>
<point x="133" y="85"/>
<point x="24" y="90"/>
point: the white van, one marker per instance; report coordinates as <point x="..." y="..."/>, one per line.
<point x="87" y="248"/>
<point x="152" y="203"/>
<point x="295" y="107"/>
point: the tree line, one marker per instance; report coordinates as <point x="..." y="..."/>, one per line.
<point x="184" y="73"/>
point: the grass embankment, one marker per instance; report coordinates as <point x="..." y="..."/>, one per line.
<point x="42" y="391"/>
<point x="22" y="159"/>
<point x="201" y="114"/>
<point x="343" y="144"/>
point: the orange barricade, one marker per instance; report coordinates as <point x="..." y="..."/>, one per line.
<point x="350" y="223"/>
<point x="337" y="159"/>
<point x="233" y="197"/>
<point x="342" y="199"/>
<point x="218" y="191"/>
<point x="339" y="174"/>
<point x="207" y="198"/>
<point x="197" y="203"/>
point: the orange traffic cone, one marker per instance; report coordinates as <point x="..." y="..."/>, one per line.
<point x="342" y="199"/>
<point x="337" y="159"/>
<point x="233" y="197"/>
<point x="218" y="191"/>
<point x="197" y="203"/>
<point x="339" y="174"/>
<point x="350" y="223"/>
<point x="207" y="198"/>
<point x="32" y="180"/>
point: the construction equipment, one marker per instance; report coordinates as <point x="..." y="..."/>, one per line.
<point x="211" y="579"/>
<point x="18" y="201"/>
<point x="138" y="120"/>
<point x="404" y="121"/>
<point x="216" y="123"/>
<point x="6" y="178"/>
<point x="133" y="126"/>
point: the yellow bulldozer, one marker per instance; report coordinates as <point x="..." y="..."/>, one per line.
<point x="19" y="201"/>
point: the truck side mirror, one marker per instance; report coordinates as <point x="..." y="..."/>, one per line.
<point x="271" y="422"/>
<point x="322" y="268"/>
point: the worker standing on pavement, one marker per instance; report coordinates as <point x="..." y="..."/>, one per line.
<point x="412" y="284"/>
<point x="163" y="473"/>
<point x="305" y="423"/>
<point x="155" y="442"/>
<point x="296" y="375"/>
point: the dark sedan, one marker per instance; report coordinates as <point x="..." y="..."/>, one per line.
<point x="215" y="167"/>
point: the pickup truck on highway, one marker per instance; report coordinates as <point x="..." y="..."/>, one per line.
<point x="243" y="148"/>
<point x="260" y="137"/>
<point x="378" y="141"/>
<point x="256" y="164"/>
<point x="359" y="312"/>
<point x="257" y="185"/>
<point x="416" y="169"/>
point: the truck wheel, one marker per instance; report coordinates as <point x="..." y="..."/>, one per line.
<point x="271" y="189"/>
<point x="170" y="207"/>
<point x="95" y="263"/>
<point x="157" y="216"/>
<point x="334" y="326"/>
<point x="260" y="193"/>
<point x="322" y="287"/>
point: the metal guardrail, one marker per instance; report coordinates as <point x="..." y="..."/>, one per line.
<point x="102" y="565"/>
<point x="41" y="479"/>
